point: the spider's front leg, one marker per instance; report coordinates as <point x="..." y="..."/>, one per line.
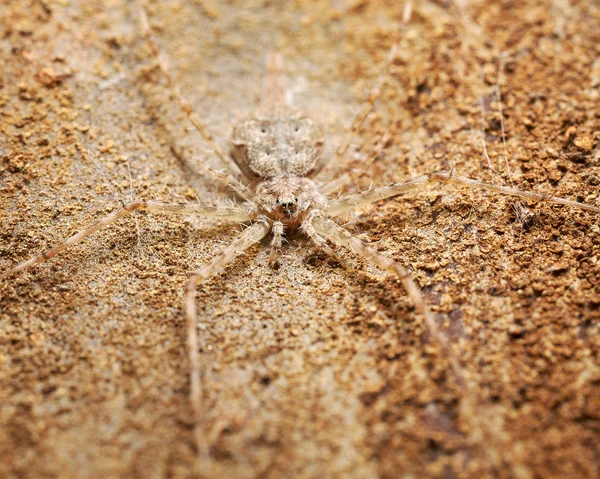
<point x="481" y="435"/>
<point x="276" y="244"/>
<point x="342" y="237"/>
<point x="349" y="202"/>
<point x="320" y="242"/>
<point x="232" y="213"/>
<point x="253" y="234"/>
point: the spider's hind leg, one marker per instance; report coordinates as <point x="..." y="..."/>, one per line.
<point x="274" y="82"/>
<point x="185" y="105"/>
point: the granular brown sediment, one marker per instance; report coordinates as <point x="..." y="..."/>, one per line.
<point x="316" y="370"/>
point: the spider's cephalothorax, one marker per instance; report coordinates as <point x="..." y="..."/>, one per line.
<point x="288" y="199"/>
<point x="277" y="151"/>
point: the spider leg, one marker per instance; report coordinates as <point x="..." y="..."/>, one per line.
<point x="350" y="202"/>
<point x="245" y="240"/>
<point x="321" y="243"/>
<point x="183" y="103"/>
<point x="486" y="439"/>
<point x="374" y="93"/>
<point x="342" y="237"/>
<point x="273" y="87"/>
<point x="276" y="243"/>
<point x="361" y="116"/>
<point x="231" y="213"/>
<point x="335" y="185"/>
<point x="341" y="181"/>
<point x="228" y="181"/>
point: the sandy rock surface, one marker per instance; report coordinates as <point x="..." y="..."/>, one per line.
<point x="312" y="369"/>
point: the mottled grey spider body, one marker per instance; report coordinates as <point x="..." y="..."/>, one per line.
<point x="277" y="142"/>
<point x="277" y="151"/>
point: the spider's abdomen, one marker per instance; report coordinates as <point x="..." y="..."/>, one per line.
<point x="277" y="143"/>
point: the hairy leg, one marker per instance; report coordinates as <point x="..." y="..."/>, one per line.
<point x="309" y="230"/>
<point x="367" y="108"/>
<point x="232" y="213"/>
<point x="245" y="240"/>
<point x="276" y="243"/>
<point x="336" y="185"/>
<point x="228" y="181"/>
<point x="350" y="202"/>
<point x="183" y="103"/>
<point x="342" y="181"/>
<point x="374" y="93"/>
<point x="342" y="237"/>
<point x="273" y="87"/>
<point x="483" y="436"/>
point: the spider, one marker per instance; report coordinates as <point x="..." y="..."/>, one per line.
<point x="279" y="152"/>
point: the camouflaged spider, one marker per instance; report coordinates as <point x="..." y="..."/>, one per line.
<point x="278" y="152"/>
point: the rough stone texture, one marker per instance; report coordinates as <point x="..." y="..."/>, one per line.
<point x="314" y="370"/>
